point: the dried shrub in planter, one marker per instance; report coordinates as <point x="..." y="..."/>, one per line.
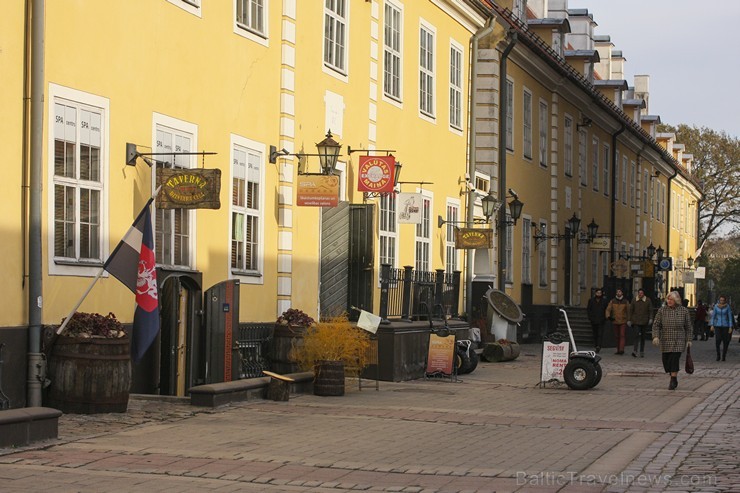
<point x="86" y="325"/>
<point x="335" y="339"/>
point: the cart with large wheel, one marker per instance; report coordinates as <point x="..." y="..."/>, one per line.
<point x="583" y="371"/>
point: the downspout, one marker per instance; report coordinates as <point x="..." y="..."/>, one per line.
<point x="502" y="159"/>
<point x="613" y="209"/>
<point x="472" y="161"/>
<point x="668" y="220"/>
<point x="36" y="364"/>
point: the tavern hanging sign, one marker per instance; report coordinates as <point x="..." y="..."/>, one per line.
<point x="470" y="238"/>
<point x="189" y="188"/>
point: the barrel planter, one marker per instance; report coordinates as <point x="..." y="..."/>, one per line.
<point x="90" y="375"/>
<point x="497" y="352"/>
<point x="329" y="378"/>
<point x="286" y="339"/>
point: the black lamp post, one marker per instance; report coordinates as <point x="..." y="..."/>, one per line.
<point x="571" y="231"/>
<point x="593" y="229"/>
<point x="650" y="251"/>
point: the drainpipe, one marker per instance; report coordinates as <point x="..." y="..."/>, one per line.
<point x="36" y="364"/>
<point x="668" y="220"/>
<point x="472" y="161"/>
<point x="502" y="160"/>
<point x="613" y="210"/>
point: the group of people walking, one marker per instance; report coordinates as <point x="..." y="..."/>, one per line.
<point x="672" y="327"/>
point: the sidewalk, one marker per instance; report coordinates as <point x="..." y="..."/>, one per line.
<point x="495" y="430"/>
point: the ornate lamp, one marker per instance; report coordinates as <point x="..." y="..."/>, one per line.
<point x="328" y="153"/>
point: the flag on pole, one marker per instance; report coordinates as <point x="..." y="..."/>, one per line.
<point x="132" y="262"/>
<point x="368" y="321"/>
<point x="697" y="253"/>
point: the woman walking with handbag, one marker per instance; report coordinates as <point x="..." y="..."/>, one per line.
<point x="672" y="331"/>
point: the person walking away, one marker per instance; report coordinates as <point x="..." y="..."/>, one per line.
<point x="700" y="321"/>
<point x="596" y="310"/>
<point x="722" y="321"/>
<point x="640" y="318"/>
<point x="618" y="312"/>
<point x="672" y="332"/>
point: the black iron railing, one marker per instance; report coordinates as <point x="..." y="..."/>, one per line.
<point x="253" y="348"/>
<point x="412" y="295"/>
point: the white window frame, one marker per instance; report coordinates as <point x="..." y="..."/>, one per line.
<point x="568" y="146"/>
<point x="527" y="123"/>
<point x="595" y="168"/>
<point x="191" y="6"/>
<point x="633" y="184"/>
<point x="258" y="35"/>
<point x="582" y="267"/>
<point x="509" y="251"/>
<point x="452" y="255"/>
<point x="252" y="276"/>
<point x="583" y="157"/>
<point x="509" y="114"/>
<point x="81" y="100"/>
<point x="544" y="141"/>
<point x="542" y="249"/>
<point x="388" y="229"/>
<point x="616" y="176"/>
<point x="423" y="233"/>
<point x="645" y="190"/>
<point x="333" y="19"/>
<point x="625" y="164"/>
<point x="427" y="75"/>
<point x="663" y="201"/>
<point x="606" y="169"/>
<point x="163" y="121"/>
<point x="595" y="269"/>
<point x="526" y="250"/>
<point x="457" y="70"/>
<point x="393" y="52"/>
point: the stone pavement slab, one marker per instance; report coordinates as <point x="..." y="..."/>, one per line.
<point x="494" y="430"/>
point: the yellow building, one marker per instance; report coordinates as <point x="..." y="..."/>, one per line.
<point x="580" y="149"/>
<point x="246" y="87"/>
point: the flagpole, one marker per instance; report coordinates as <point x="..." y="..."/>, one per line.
<point x="72" y="312"/>
<point x="102" y="269"/>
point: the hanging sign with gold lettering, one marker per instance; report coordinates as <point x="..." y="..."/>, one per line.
<point x="470" y="238"/>
<point x="183" y="188"/>
<point x="376" y="173"/>
<point x="317" y="190"/>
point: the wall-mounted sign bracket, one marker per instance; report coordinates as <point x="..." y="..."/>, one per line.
<point x="132" y="154"/>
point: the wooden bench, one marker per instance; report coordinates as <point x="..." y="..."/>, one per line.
<point x="218" y="394"/>
<point x="26" y="425"/>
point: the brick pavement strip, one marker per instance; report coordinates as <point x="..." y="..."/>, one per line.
<point x="495" y="431"/>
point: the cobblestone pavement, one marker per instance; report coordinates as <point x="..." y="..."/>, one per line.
<point x="495" y="430"/>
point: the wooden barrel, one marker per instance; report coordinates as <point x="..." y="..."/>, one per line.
<point x="496" y="352"/>
<point x="329" y="378"/>
<point x="90" y="375"/>
<point x="285" y="340"/>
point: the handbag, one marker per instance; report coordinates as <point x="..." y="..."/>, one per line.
<point x="689" y="362"/>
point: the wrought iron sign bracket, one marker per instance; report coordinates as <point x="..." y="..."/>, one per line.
<point x="132" y="154"/>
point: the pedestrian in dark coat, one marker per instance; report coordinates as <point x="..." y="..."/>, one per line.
<point x="641" y="315"/>
<point x="596" y="310"/>
<point x="618" y="312"/>
<point x="672" y="331"/>
<point x="700" y="321"/>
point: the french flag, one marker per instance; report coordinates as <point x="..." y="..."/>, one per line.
<point x="132" y="263"/>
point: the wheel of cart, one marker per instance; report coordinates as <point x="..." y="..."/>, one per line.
<point x="583" y="370"/>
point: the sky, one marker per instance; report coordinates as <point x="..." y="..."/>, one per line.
<point x="689" y="48"/>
